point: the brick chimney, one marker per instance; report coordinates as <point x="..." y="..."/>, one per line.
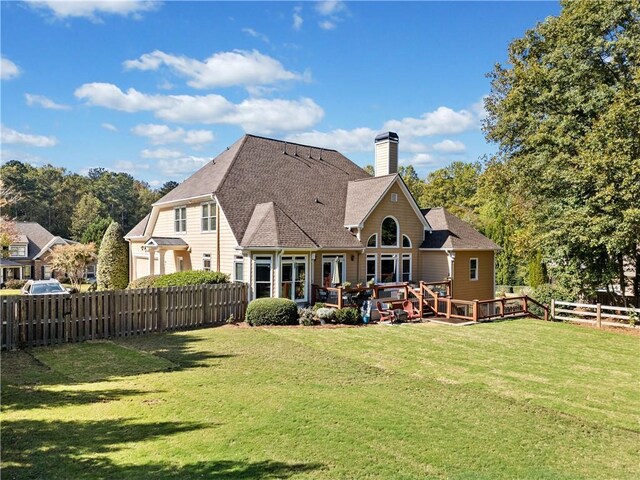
<point x="386" y="153"/>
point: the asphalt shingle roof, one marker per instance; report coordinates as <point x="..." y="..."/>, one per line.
<point x="271" y="227"/>
<point x="38" y="236"/>
<point x="362" y="195"/>
<point x="448" y="231"/>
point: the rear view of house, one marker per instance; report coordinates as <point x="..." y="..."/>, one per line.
<point x="283" y="217"/>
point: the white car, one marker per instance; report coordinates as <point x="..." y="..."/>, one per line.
<point x="44" y="287"/>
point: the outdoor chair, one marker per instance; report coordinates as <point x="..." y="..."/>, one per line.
<point x="385" y="313"/>
<point x="412" y="312"/>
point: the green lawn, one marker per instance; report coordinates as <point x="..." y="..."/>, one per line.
<point x="16" y="291"/>
<point x="519" y="399"/>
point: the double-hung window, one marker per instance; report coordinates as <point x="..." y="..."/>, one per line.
<point x="293" y="278"/>
<point x="206" y="262"/>
<point x="238" y="269"/>
<point x="372" y="267"/>
<point x="209" y="217"/>
<point x="473" y="269"/>
<point x="17" y="250"/>
<point x="389" y="268"/>
<point x="180" y="219"/>
<point x="406" y="267"/>
<point x="262" y="277"/>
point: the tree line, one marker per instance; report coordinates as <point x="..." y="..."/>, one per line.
<point x="79" y="207"/>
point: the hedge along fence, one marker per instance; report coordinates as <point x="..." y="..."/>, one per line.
<point x="39" y="320"/>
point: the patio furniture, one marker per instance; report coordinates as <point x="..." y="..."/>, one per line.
<point x="385" y="313"/>
<point x="412" y="312"/>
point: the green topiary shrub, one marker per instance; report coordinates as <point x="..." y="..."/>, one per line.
<point x="113" y="259"/>
<point x="272" y="311"/>
<point x="326" y="314"/>
<point x="190" y="277"/>
<point x="306" y="317"/>
<point x="348" y="316"/>
<point x="318" y="306"/>
<point x="144" y="282"/>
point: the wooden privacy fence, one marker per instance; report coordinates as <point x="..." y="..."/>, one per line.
<point x="38" y="320"/>
<point x="598" y="315"/>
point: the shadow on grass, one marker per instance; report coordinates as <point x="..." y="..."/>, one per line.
<point x="80" y="449"/>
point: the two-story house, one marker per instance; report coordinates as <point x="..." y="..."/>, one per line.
<point x="282" y="216"/>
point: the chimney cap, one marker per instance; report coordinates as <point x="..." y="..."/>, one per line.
<point x="392" y="136"/>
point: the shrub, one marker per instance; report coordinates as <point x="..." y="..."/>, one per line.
<point x="143" y="282"/>
<point x="326" y="314"/>
<point x="306" y="317"/>
<point x="318" y="306"/>
<point x="348" y="316"/>
<point x="272" y="311"/>
<point x="113" y="259"/>
<point x="190" y="277"/>
<point x="15" y="284"/>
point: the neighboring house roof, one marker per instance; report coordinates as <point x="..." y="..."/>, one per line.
<point x="450" y="232"/>
<point x="21" y="239"/>
<point x="138" y="230"/>
<point x="363" y="195"/>
<point x="269" y="226"/>
<point x="37" y="235"/>
<point x="9" y="262"/>
<point x="52" y="243"/>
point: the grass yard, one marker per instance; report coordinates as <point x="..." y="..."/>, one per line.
<point x="16" y="291"/>
<point x="519" y="399"/>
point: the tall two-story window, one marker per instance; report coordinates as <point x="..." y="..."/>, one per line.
<point x="209" y="217"/>
<point x="180" y="219"/>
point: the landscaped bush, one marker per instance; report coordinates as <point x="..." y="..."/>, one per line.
<point x="113" y="259"/>
<point x="143" y="282"/>
<point x="191" y="277"/>
<point x="348" y="316"/>
<point x="326" y="314"/>
<point x="318" y="306"/>
<point x="272" y="311"/>
<point x="306" y="317"/>
<point x="15" y="284"/>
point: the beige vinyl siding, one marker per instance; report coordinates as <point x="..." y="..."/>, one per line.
<point x="228" y="245"/>
<point x="434" y="266"/>
<point x="466" y="289"/>
<point x="409" y="224"/>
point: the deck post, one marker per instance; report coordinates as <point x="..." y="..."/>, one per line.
<point x="340" y="297"/>
<point x="406" y="291"/>
<point x="502" y="302"/>
<point x="599" y="315"/>
<point x="475" y="310"/>
<point x="525" y="304"/>
<point x="448" y="307"/>
<point x="553" y="310"/>
<point x="421" y="307"/>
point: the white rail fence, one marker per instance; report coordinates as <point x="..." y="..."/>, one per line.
<point x="598" y="314"/>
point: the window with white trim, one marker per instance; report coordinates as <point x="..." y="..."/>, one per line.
<point x="373" y="241"/>
<point x="238" y="269"/>
<point x="206" y="262"/>
<point x="389" y="232"/>
<point x="208" y="223"/>
<point x="389" y="268"/>
<point x="333" y="268"/>
<point x="372" y="267"/>
<point x="293" y="278"/>
<point x="406" y="241"/>
<point x="17" y="250"/>
<point x="406" y="267"/>
<point x="26" y="271"/>
<point x="180" y="219"/>
<point x="394" y="197"/>
<point x="46" y="272"/>
<point x="262" y="277"/>
<point x="473" y="269"/>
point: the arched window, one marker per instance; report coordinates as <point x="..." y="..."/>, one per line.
<point x="406" y="242"/>
<point x="373" y="240"/>
<point x="389" y="232"/>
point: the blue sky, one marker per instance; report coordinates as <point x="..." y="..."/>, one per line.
<point x="157" y="89"/>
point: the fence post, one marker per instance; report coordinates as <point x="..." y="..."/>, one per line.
<point x="599" y="315"/>
<point x="553" y="309"/>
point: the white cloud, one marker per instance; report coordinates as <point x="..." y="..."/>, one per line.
<point x="327" y="25"/>
<point x="297" y="18"/>
<point x="442" y="121"/>
<point x="162" y="134"/>
<point x="8" y="69"/>
<point x="7" y="155"/>
<point x="44" y="102"/>
<point x="255" y="34"/>
<point x="160" y="153"/>
<point x="128" y="166"/>
<point x="223" y="69"/>
<point x="182" y="166"/>
<point x="253" y="114"/>
<point x="449" y="146"/>
<point x="356" y="140"/>
<point x="419" y="160"/>
<point x="110" y="127"/>
<point x="93" y="9"/>
<point x="8" y="135"/>
<point x="330" y="7"/>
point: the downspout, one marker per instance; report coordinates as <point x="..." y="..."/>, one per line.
<point x="217" y="233"/>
